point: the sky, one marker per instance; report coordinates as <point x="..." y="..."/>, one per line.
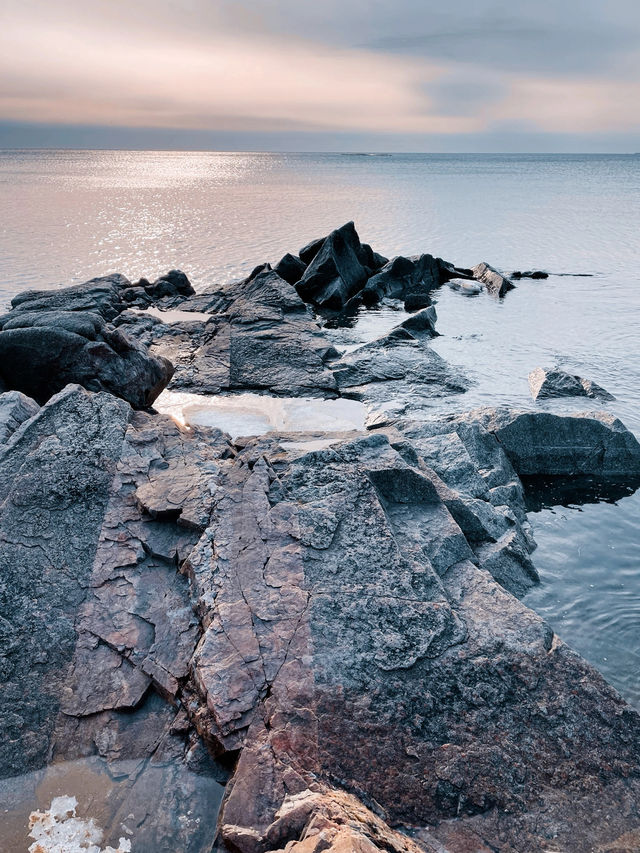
<point x="322" y="75"/>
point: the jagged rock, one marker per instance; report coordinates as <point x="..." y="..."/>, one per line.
<point x="495" y="283"/>
<point x="558" y="383"/>
<point x="422" y="325"/>
<point x="595" y="444"/>
<point x="350" y="636"/>
<point x="336" y="272"/>
<point x="408" y="279"/>
<point x="315" y="821"/>
<point x="264" y="339"/>
<point x="290" y="268"/>
<point x="96" y="621"/>
<point x="529" y="274"/>
<point x="307" y="253"/>
<point x="15" y="409"/>
<point x="42" y="351"/>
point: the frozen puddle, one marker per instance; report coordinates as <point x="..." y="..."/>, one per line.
<point x="174" y="316"/>
<point x="256" y="414"/>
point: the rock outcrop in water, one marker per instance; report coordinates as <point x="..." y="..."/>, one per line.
<point x="327" y="624"/>
<point x="559" y="383"/>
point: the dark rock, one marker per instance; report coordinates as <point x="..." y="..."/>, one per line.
<point x="495" y="283"/>
<point x="335" y="273"/>
<point x="290" y="268"/>
<point x="99" y="295"/>
<point x="416" y="301"/>
<point x="307" y="253"/>
<point x="399" y="369"/>
<point x="173" y="283"/>
<point x="42" y="351"/>
<point x="422" y="325"/>
<point x="264" y="339"/>
<point x="542" y="444"/>
<point x="529" y="274"/>
<point x="558" y="383"/>
<point x="410" y="279"/>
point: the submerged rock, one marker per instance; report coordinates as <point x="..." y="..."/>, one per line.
<point x="529" y="274"/>
<point x="558" y="383"/>
<point x="42" y="351"/>
<point x="495" y="283"/>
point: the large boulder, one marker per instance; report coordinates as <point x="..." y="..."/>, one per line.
<point x="593" y="444"/>
<point x="495" y="283"/>
<point x="261" y="338"/>
<point x="42" y="351"/>
<point x="98" y="507"/>
<point x="352" y="639"/>
<point x="336" y="271"/>
<point x="559" y="383"/>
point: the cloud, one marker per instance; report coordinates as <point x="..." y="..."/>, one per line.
<point x="417" y="68"/>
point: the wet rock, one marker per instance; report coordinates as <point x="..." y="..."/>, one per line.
<point x="558" y="383"/>
<point x="538" y="274"/>
<point x="15" y="409"/>
<point x="595" y="444"/>
<point x="264" y="339"/>
<point x="335" y="273"/>
<point x="173" y="283"/>
<point x="465" y="286"/>
<point x="291" y="268"/>
<point x="42" y="351"/>
<point x="408" y="279"/>
<point x="398" y="367"/>
<point x="495" y="283"/>
<point x="101" y="296"/>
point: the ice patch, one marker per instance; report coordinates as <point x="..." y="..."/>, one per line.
<point x="256" y="414"/>
<point x="58" y="830"/>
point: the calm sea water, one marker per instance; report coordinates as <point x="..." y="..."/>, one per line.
<point x="68" y="216"/>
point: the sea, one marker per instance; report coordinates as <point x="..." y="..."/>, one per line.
<point x="68" y="216"/>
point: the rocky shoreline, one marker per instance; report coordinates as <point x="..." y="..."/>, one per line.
<point x="325" y="622"/>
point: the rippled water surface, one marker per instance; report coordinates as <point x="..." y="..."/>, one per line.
<point x="69" y="216"/>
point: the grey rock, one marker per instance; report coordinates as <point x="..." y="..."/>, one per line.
<point x="594" y="444"/>
<point x="495" y="283"/>
<point x="15" y="409"/>
<point x="558" y="383"/>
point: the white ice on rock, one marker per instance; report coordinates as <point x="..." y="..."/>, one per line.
<point x="255" y="414"/>
<point x="58" y="830"/>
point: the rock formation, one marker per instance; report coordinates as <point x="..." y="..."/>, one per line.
<point x="558" y="383"/>
<point x="327" y="624"/>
